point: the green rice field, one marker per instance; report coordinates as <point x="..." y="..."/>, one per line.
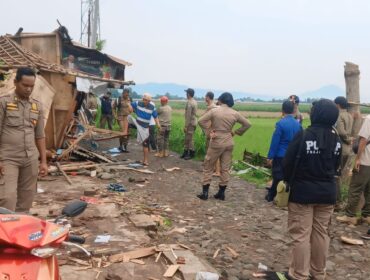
<point x="256" y="139"/>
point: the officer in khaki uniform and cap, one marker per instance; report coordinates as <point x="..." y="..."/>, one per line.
<point x="221" y="144"/>
<point x="190" y="124"/>
<point x="22" y="141"/>
<point x="344" y="128"/>
<point x="123" y="108"/>
<point x="164" y="116"/>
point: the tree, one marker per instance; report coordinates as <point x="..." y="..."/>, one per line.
<point x="100" y="44"/>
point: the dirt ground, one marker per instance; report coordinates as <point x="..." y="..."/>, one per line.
<point x="245" y="223"/>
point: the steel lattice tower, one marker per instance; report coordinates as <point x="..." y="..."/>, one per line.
<point x="90" y="23"/>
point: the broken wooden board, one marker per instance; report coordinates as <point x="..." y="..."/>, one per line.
<point x="136" y="254"/>
<point x="233" y="252"/>
<point x="170" y="272"/>
<point x="124" y="167"/>
<point x="96" y="155"/>
<point x="67" y="151"/>
<point x="351" y="241"/>
<point x="193" y="263"/>
<point x="64" y="174"/>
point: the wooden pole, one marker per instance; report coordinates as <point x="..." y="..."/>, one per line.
<point x="352" y="78"/>
<point x="63" y="173"/>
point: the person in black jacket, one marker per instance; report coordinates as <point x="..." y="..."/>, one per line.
<point x="313" y="190"/>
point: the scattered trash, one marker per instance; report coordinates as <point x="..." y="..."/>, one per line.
<point x="40" y="190"/>
<point x="90" y="200"/>
<point x="262" y="267"/>
<point x="93" y="173"/>
<point x="116" y="187"/>
<point x="135" y="165"/>
<point x="180" y="260"/>
<point x="351" y="241"/>
<point x="206" y="276"/>
<point x="172" y="169"/>
<point x="102" y="239"/>
<point x="240" y="172"/>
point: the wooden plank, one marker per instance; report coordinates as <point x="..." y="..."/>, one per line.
<point x="137" y="261"/>
<point x="66" y="122"/>
<point x="136" y="254"/>
<point x="170" y="272"/>
<point x="158" y="257"/>
<point x="54" y="126"/>
<point x="216" y="253"/>
<point x="103" y="158"/>
<point x="73" y="145"/>
<point x="233" y="252"/>
<point x="64" y="174"/>
<point x="77" y="167"/>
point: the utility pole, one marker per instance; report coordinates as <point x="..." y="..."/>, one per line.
<point x="90" y="23"/>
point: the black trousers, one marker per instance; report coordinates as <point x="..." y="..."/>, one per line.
<point x="152" y="137"/>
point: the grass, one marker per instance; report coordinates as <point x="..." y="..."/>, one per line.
<point x="253" y="176"/>
<point x="253" y="106"/>
<point x="256" y="139"/>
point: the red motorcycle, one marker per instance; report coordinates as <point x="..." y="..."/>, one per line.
<point x="28" y="244"/>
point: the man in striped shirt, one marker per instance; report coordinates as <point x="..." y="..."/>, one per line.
<point x="144" y="110"/>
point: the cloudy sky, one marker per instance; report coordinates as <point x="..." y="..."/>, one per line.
<point x="261" y="46"/>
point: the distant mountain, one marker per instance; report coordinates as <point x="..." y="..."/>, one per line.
<point x="329" y="91"/>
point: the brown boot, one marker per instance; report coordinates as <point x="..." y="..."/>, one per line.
<point x="159" y="154"/>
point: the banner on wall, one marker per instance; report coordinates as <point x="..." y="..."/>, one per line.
<point x="92" y="62"/>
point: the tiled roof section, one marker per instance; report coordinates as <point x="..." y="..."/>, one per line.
<point x="12" y="55"/>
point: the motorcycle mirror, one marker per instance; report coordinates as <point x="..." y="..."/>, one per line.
<point x="4" y="211"/>
<point x="74" y="208"/>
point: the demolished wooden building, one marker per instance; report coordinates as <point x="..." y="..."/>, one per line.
<point x="56" y="85"/>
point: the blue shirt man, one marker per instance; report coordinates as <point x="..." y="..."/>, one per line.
<point x="285" y="130"/>
<point x="144" y="110"/>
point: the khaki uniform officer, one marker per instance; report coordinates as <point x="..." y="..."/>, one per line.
<point x="344" y="127"/>
<point x="164" y="116"/>
<point x="209" y="99"/>
<point x="190" y="124"/>
<point x="22" y="139"/>
<point x="210" y="105"/>
<point x="221" y="145"/>
<point x="123" y="108"/>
